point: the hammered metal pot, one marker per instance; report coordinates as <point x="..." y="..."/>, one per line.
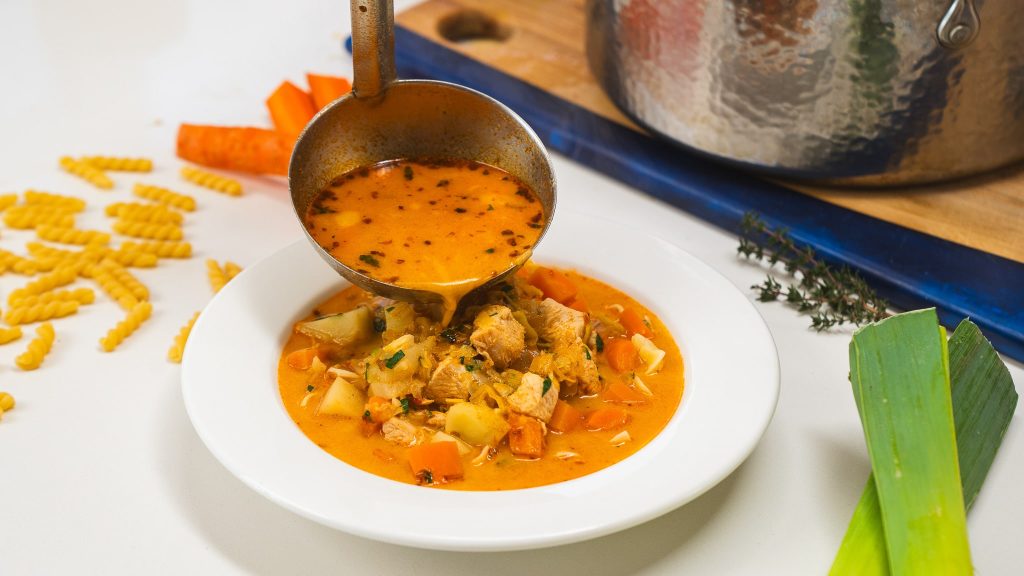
<point x="850" y="92"/>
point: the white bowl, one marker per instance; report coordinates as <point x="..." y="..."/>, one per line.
<point x="229" y="381"/>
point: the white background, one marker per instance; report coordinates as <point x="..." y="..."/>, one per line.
<point x="100" y="470"/>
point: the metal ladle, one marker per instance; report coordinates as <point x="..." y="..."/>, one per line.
<point x="384" y="118"/>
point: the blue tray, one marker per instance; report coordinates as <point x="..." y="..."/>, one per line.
<point x="909" y="268"/>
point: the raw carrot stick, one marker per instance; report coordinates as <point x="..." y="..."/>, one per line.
<point x="621" y="354"/>
<point x="618" y="391"/>
<point x="553" y="284"/>
<point x="565" y="417"/>
<point x="255" y="150"/>
<point x="526" y="436"/>
<point x="435" y="461"/>
<point x="327" y="89"/>
<point x="606" y="419"/>
<point x="634" y="323"/>
<point x="302" y="358"/>
<point x="291" y="108"/>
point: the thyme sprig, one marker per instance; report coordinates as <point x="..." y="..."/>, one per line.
<point x="831" y="296"/>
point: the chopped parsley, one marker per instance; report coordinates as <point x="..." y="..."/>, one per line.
<point x="321" y="209"/>
<point x="389" y="308"/>
<point x="379" y="325"/>
<point x="394" y="360"/>
<point x="547" y="386"/>
<point x="598" y="343"/>
<point x="489" y="251"/>
<point x="370" y="259"/>
<point x="462" y="360"/>
<point x="427" y="476"/>
<point x="586" y="351"/>
<point x="442" y="183"/>
<point x="449" y="334"/>
<point x="470" y="367"/>
<point x="405" y="405"/>
<point x="367" y="416"/>
<point x="490" y="207"/>
<point x="460" y="210"/>
<point x="309" y="388"/>
<point x="407" y="172"/>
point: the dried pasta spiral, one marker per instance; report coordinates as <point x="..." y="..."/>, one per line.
<point x="147" y="230"/>
<point x="218" y="278"/>
<point x="17" y="264"/>
<point x="86" y="172"/>
<point x="160" y="249"/>
<point x="165" y="196"/>
<point x="80" y="295"/>
<point x="177" y="349"/>
<point x="231" y="269"/>
<point x="133" y="258"/>
<point x="212" y="181"/>
<point x="119" y="163"/>
<point x="61" y="276"/>
<point x="109" y="283"/>
<point x="48" y="257"/>
<point x="7" y="200"/>
<point x="156" y="213"/>
<point x="26" y="314"/>
<point x="60" y="201"/>
<point x="72" y="235"/>
<point x="25" y="217"/>
<point x="38" y="348"/>
<point x="126" y="278"/>
<point x="8" y="335"/>
<point x="136" y="316"/>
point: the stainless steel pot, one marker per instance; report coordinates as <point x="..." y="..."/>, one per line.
<point x="853" y="92"/>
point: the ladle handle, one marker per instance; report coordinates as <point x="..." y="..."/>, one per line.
<point x="373" y="46"/>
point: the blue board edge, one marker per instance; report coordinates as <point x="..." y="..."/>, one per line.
<point x="909" y="268"/>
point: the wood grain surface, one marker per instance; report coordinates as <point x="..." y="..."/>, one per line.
<point x="543" y="45"/>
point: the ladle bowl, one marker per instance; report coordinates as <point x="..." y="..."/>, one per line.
<point x="387" y="119"/>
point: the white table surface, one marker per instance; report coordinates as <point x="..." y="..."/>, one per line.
<point x="100" y="470"/>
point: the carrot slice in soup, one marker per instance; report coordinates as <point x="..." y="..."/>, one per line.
<point x="565" y="417"/>
<point x="440" y="459"/>
<point x="621" y="354"/>
<point x="526" y="436"/>
<point x="554" y="284"/>
<point x="579" y="304"/>
<point x="634" y="323"/>
<point x="606" y="419"/>
<point x="620" y="392"/>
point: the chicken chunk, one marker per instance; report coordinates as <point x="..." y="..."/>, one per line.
<point x="557" y="324"/>
<point x="398" y="431"/>
<point x="450" y="380"/>
<point x="532" y="399"/>
<point x="575" y="368"/>
<point x="498" y="336"/>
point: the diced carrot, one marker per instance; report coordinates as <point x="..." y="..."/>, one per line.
<point x="302" y="358"/>
<point x="565" y="418"/>
<point x="634" y="323"/>
<point x="607" y="419"/>
<point x="368" y="428"/>
<point x="440" y="459"/>
<point x="553" y="284"/>
<point x="254" y="150"/>
<point x="619" y="391"/>
<point x="327" y="89"/>
<point x="621" y="354"/>
<point x="291" y="108"/>
<point x="526" y="436"/>
<point x="578" y="303"/>
<point x="380" y="409"/>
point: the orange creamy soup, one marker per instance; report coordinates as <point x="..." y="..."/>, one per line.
<point x="446" y="226"/>
<point x="549" y="376"/>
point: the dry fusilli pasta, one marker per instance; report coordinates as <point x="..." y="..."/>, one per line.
<point x="8" y="335"/>
<point x="212" y="181"/>
<point x="218" y="278"/>
<point x="231" y="269"/>
<point x="160" y="249"/>
<point x="119" y="163"/>
<point x="38" y="348"/>
<point x="87" y="172"/>
<point x="7" y="200"/>
<point x="126" y="278"/>
<point x="156" y="213"/>
<point x="25" y="217"/>
<point x="61" y="276"/>
<point x="17" y="264"/>
<point x="113" y="287"/>
<point x="136" y="316"/>
<point x="19" y="314"/>
<point x="72" y="235"/>
<point x="60" y="201"/>
<point x="80" y="295"/>
<point x="178" y="348"/>
<point x="147" y="230"/>
<point x="165" y="196"/>
<point x="133" y="258"/>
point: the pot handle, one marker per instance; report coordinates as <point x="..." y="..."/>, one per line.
<point x="959" y="26"/>
<point x="373" y="47"/>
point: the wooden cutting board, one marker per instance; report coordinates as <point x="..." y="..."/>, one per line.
<point x="544" y="47"/>
<point x="957" y="246"/>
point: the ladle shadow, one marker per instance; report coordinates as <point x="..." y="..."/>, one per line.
<point x="261" y="538"/>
